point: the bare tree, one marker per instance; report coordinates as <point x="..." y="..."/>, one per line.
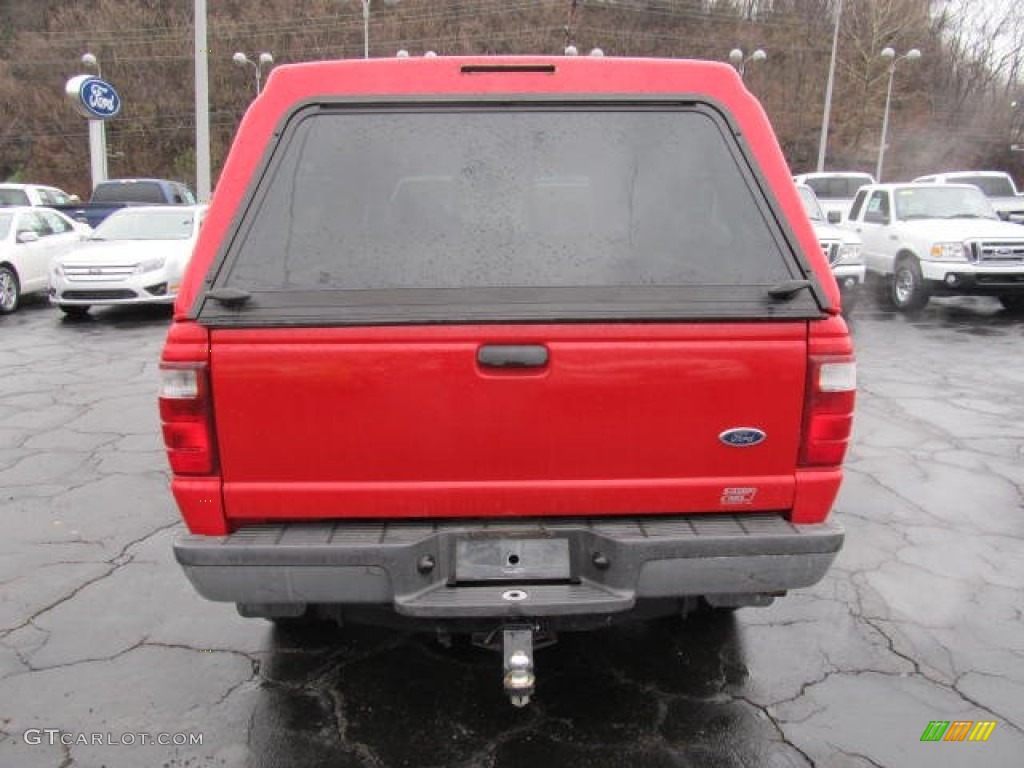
<point x="952" y="107"/>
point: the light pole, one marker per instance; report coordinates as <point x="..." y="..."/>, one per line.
<point x="888" y="53"/>
<point x="202" y="102"/>
<point x="263" y="60"/>
<point x="1016" y="125"/>
<point x="97" y="131"/>
<point x="828" y="91"/>
<point x="366" y="29"/>
<point x="366" y="24"/>
<point x="737" y="59"/>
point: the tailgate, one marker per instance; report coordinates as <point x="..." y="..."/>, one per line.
<point x="408" y="422"/>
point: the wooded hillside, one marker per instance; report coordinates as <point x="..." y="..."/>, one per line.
<point x="961" y="105"/>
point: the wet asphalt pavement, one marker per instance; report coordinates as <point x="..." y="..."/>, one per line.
<point x="102" y="638"/>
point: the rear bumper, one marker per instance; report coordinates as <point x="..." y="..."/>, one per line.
<point x="411" y="566"/>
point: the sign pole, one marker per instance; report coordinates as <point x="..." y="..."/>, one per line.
<point x="97" y="152"/>
<point x="104" y="155"/>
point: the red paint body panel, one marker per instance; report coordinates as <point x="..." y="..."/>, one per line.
<point x="436" y="78"/>
<point x="503" y="498"/>
<point x="402" y="421"/>
<point x="816" y="491"/>
<point x="199" y="499"/>
<point x="186" y="343"/>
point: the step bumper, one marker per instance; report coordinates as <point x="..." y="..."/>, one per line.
<point x="562" y="567"/>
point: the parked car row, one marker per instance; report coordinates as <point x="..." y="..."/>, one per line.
<point x="942" y="234"/>
<point x="837" y="189"/>
<point x="107" y="197"/>
<point x="137" y="255"/>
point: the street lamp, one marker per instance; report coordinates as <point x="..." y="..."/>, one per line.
<point x="97" y="130"/>
<point x="737" y="60"/>
<point x="264" y="60"/>
<point x="888" y="53"/>
<point x="90" y="60"/>
<point x="366" y="24"/>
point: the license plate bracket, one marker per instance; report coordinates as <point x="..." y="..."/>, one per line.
<point x="512" y="559"/>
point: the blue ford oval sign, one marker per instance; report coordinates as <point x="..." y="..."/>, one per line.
<point x="92" y="97"/>
<point x="742" y="437"/>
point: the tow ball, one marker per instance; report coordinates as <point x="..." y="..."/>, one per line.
<point x="517" y="652"/>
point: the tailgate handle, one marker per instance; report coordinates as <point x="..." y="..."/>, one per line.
<point x="512" y="356"/>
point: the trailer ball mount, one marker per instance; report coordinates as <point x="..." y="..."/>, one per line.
<point x="517" y="652"/>
<point x="517" y="645"/>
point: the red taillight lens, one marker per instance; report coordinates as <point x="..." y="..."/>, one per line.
<point x="185" y="417"/>
<point x="828" y="416"/>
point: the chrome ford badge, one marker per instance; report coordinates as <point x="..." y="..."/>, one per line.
<point x="742" y="437"/>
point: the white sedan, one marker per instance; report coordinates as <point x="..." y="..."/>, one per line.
<point x="30" y="239"/>
<point x="137" y="255"/>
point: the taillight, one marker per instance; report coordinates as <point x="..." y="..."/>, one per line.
<point x="185" y="417"/>
<point x="828" y="415"/>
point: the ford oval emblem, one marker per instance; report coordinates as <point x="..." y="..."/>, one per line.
<point x="742" y="437"/>
<point x="97" y="99"/>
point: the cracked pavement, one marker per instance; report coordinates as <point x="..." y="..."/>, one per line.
<point x="919" y="620"/>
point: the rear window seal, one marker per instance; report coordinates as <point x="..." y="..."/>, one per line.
<point x="520" y="306"/>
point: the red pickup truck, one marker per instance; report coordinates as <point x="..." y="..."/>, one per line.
<point x="506" y="346"/>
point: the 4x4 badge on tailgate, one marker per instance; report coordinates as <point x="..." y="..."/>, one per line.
<point x="742" y="437"/>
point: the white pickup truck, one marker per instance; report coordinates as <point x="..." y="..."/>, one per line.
<point x="997" y="186"/>
<point x="923" y="240"/>
<point x="841" y="247"/>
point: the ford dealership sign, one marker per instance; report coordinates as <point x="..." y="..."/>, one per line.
<point x="92" y="97"/>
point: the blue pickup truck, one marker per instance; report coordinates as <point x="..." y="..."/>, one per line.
<point x="109" y="196"/>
